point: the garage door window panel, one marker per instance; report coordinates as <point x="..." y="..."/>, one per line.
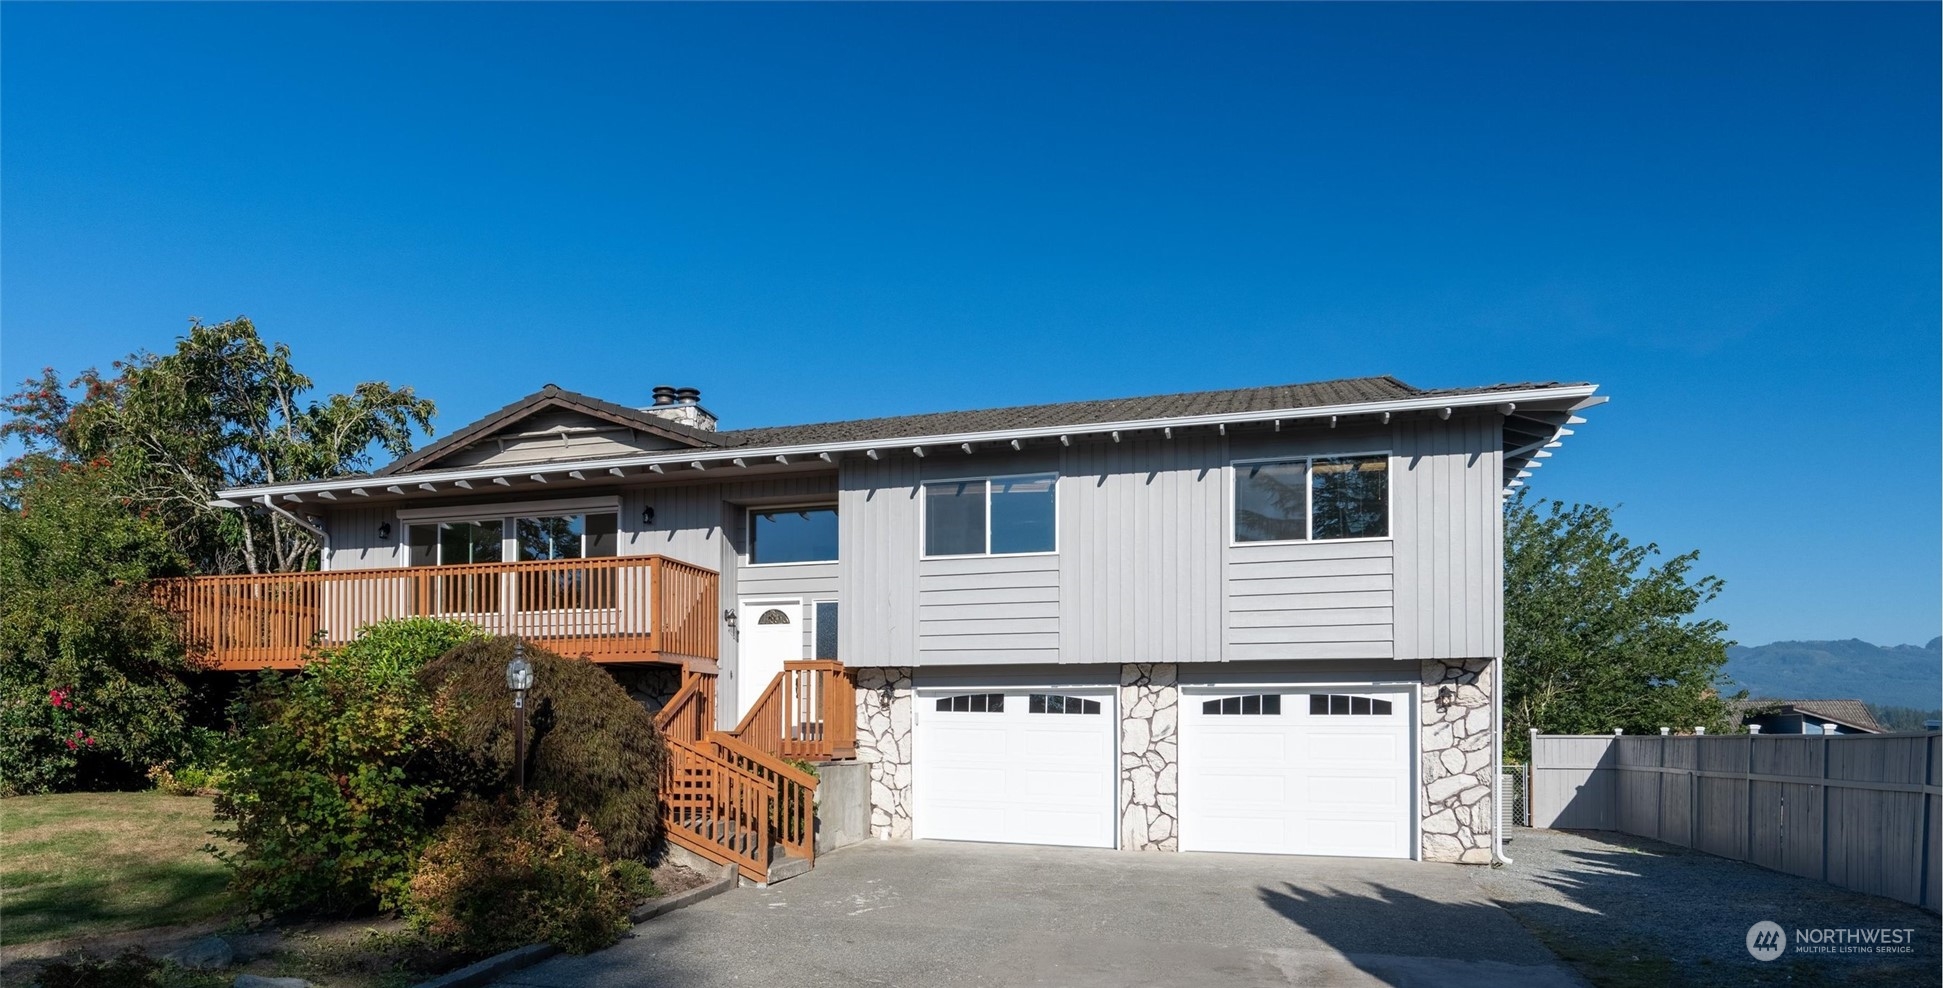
<point x="973" y="703"/>
<point x="1250" y="705"/>
<point x="1344" y="705"/>
<point x="1054" y="703"/>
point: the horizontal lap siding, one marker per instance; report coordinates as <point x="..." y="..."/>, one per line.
<point x="1323" y="600"/>
<point x="1013" y="623"/>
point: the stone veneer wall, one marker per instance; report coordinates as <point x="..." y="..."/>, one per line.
<point x="884" y="740"/>
<point x="651" y="686"/>
<point x="1149" y="757"/>
<point x="1455" y="805"/>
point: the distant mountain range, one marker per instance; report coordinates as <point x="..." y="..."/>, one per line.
<point x="1887" y="675"/>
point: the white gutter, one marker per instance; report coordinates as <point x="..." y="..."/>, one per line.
<point x="682" y="458"/>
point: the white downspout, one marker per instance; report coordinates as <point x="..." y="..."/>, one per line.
<point x="1498" y="857"/>
<point x="323" y="537"/>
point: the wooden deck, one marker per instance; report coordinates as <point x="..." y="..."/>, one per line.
<point x="624" y="609"/>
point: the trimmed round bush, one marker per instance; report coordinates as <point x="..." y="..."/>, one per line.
<point x="588" y="744"/>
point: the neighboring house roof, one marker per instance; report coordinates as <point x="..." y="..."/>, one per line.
<point x="1848" y="713"/>
<point x="1527" y="432"/>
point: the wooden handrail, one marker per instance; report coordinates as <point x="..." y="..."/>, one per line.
<point x="690" y="713"/>
<point x="615" y="609"/>
<point x="794" y="809"/>
<point x="808" y="711"/>
<point x="716" y="808"/>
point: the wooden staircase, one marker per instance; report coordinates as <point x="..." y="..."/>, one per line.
<point x="732" y="796"/>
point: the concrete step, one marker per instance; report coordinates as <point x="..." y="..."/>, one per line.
<point x="786" y="867"/>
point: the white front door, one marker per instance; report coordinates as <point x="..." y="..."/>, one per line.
<point x="769" y="634"/>
<point x="1297" y="772"/>
<point x="1016" y="766"/>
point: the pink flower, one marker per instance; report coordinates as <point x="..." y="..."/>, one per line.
<point x="90" y="740"/>
<point x="70" y="744"/>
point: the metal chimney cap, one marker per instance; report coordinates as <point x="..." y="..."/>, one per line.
<point x="688" y="396"/>
<point x="664" y="394"/>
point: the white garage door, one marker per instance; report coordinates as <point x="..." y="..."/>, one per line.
<point x="1296" y="772"/>
<point x="1016" y="766"/>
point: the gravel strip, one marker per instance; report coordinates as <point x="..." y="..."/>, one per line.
<point x="1628" y="911"/>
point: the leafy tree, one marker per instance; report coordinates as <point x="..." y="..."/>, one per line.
<point x="1596" y="638"/>
<point x="224" y="409"/>
<point x="93" y="688"/>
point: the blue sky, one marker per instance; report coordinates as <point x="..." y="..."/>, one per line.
<point x="1726" y="215"/>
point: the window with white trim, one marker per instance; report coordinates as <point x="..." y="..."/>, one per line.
<point x="792" y="535"/>
<point x="590" y="535"/>
<point x="1312" y="498"/>
<point x="995" y="516"/>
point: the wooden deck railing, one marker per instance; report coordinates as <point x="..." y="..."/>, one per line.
<point x="808" y="712"/>
<point x="629" y="608"/>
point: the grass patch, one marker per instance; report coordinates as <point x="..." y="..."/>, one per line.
<point x="82" y="864"/>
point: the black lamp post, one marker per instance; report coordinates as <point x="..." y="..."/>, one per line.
<point x="519" y="679"/>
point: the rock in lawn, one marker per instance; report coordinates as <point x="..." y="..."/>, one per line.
<point x="206" y="954"/>
<point x="255" y="981"/>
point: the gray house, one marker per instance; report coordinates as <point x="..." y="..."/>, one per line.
<point x="1262" y="620"/>
<point x="1809" y="717"/>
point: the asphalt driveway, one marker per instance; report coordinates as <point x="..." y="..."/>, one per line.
<point x="934" y="913"/>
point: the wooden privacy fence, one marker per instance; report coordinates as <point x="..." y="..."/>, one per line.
<point x="1861" y="811"/>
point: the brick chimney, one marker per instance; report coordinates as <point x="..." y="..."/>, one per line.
<point x="681" y="405"/>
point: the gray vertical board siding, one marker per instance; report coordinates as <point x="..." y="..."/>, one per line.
<point x="691" y="519"/>
<point x="1449" y="538"/>
<point x="1141" y="542"/>
<point x="877" y="539"/>
<point x="1850" y="819"/>
<point x="354" y="538"/>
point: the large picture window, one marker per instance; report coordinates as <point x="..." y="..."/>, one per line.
<point x="793" y="535"/>
<point x="1316" y="498"/>
<point x="482" y="540"/>
<point x="991" y="516"/>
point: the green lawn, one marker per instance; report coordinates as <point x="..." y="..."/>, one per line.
<point x="80" y="864"/>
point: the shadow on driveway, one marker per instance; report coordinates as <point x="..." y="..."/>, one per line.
<point x="1630" y="911"/>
